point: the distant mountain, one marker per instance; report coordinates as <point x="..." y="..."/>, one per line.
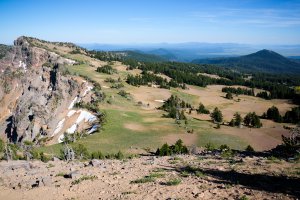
<point x="264" y="60"/>
<point x="186" y="52"/>
<point x="164" y="53"/>
<point x="141" y="56"/>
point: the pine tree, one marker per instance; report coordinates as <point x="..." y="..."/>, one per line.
<point x="216" y="115"/>
<point x="237" y="119"/>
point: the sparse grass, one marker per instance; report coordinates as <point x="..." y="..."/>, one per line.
<point x="273" y="159"/>
<point x="158" y="170"/>
<point x="244" y="197"/>
<point x="50" y="165"/>
<point x="128" y="192"/>
<point x="189" y="170"/>
<point x="157" y="175"/>
<point x="146" y="179"/>
<point x="174" y="181"/>
<point x="77" y="181"/>
<point x="60" y="174"/>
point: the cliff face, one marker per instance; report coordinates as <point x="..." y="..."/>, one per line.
<point x="35" y="91"/>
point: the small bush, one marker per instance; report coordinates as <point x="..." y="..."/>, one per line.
<point x="97" y="155"/>
<point x="249" y="148"/>
<point x="123" y="93"/>
<point x="146" y="179"/>
<point x="77" y="181"/>
<point x="119" y="155"/>
<point x="44" y="158"/>
<point x="60" y="174"/>
<point x="210" y="146"/>
<point x="224" y="147"/>
<point x="107" y="69"/>
<point x="157" y="175"/>
<point x="175" y="181"/>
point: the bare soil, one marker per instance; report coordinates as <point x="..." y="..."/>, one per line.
<point x="181" y="177"/>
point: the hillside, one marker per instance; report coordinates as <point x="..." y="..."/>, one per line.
<point x="137" y="129"/>
<point x="38" y="94"/>
<point x="264" y="61"/>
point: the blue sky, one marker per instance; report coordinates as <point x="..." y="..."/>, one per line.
<point x="152" y="21"/>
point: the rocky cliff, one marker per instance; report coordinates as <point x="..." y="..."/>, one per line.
<point x="36" y="91"/>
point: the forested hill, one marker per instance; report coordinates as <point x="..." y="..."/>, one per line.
<point x="264" y="61"/>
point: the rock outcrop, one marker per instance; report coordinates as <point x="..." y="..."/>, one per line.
<point x="35" y="91"/>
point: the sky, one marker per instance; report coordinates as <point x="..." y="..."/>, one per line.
<point x="152" y="21"/>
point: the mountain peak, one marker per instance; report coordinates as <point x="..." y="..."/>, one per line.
<point x="264" y="60"/>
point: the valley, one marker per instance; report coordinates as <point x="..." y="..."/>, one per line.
<point x="135" y="124"/>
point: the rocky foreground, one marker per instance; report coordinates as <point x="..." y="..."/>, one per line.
<point x="148" y="177"/>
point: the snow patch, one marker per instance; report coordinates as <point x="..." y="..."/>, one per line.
<point x="161" y="101"/>
<point x="59" y="126"/>
<point x="69" y="61"/>
<point x="23" y="65"/>
<point x="72" y="103"/>
<point x="72" y="129"/>
<point x="86" y="116"/>
<point x="71" y="112"/>
<point x="61" y="138"/>
<point x="89" y="88"/>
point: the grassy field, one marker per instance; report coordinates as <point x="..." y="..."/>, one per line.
<point x="130" y="128"/>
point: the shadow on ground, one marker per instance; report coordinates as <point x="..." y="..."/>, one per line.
<point x="262" y="182"/>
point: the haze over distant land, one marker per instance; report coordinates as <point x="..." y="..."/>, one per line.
<point x="193" y="50"/>
<point x="138" y="22"/>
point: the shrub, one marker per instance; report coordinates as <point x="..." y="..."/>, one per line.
<point x="224" y="147"/>
<point x="146" y="179"/>
<point x="119" y="155"/>
<point x="81" y="151"/>
<point x="249" y="148"/>
<point x="175" y="181"/>
<point x="97" y="155"/>
<point x="229" y="96"/>
<point x="123" y="93"/>
<point x="44" y="158"/>
<point x="177" y="148"/>
<point x="252" y="120"/>
<point x="77" y="181"/>
<point x="1" y="145"/>
<point x="202" y="110"/>
<point x="210" y="146"/>
<point x="107" y="69"/>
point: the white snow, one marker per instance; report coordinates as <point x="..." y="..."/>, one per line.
<point x="59" y="126"/>
<point x="71" y="112"/>
<point x="161" y="101"/>
<point x="86" y="116"/>
<point x="72" y="129"/>
<point x="61" y="138"/>
<point x="89" y="88"/>
<point x="23" y="65"/>
<point x="70" y="62"/>
<point x="72" y="103"/>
